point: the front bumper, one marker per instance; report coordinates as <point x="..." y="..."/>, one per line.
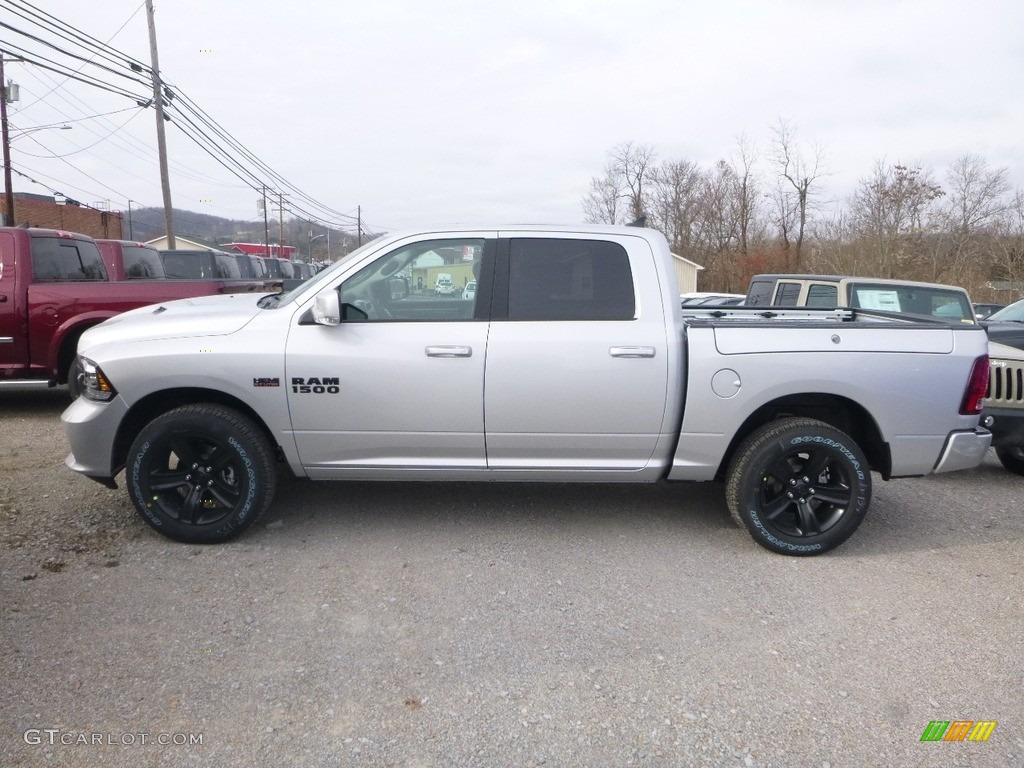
<point x="91" y="429"/>
<point x="964" y="450"/>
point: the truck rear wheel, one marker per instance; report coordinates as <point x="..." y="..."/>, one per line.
<point x="1012" y="459"/>
<point x="201" y="474"/>
<point x="800" y="486"/>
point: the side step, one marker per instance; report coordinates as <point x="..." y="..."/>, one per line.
<point x="27" y="383"/>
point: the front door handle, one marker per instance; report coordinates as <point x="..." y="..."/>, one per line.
<point x="449" y="351"/>
<point x="631" y="351"/>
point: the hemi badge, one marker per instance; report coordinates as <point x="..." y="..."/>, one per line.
<point x="266" y="382"/>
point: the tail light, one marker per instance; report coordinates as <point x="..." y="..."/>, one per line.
<point x="977" y="385"/>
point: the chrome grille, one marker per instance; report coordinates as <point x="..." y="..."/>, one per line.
<point x="1005" y="383"/>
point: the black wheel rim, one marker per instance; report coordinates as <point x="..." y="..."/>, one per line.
<point x="194" y="479"/>
<point x="806" y="492"/>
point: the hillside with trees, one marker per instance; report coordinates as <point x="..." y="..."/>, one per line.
<point x="769" y="212"/>
<point x="148" y="223"/>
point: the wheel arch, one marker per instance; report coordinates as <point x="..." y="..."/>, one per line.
<point x="159" y="403"/>
<point x="837" y="411"/>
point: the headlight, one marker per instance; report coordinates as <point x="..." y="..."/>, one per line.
<point x="92" y="382"/>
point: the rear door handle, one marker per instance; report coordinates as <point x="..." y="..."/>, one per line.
<point x="631" y="351"/>
<point x="449" y="351"/>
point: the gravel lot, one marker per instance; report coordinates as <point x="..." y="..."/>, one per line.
<point x="498" y="625"/>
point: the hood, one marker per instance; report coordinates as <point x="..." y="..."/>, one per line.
<point x="199" y="316"/>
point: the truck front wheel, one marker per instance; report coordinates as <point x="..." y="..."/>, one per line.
<point x="800" y="486"/>
<point x="201" y="474"/>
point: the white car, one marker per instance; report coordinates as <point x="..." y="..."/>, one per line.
<point x="469" y="292"/>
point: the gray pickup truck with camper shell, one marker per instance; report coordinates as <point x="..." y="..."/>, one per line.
<point x="572" y="362"/>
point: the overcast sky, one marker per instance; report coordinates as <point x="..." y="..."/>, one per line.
<point x="443" y="111"/>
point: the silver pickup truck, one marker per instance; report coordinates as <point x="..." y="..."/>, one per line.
<point x="572" y="361"/>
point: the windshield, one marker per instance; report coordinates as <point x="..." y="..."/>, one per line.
<point x="1011" y="314"/>
<point x="915" y="299"/>
<point x="313" y="284"/>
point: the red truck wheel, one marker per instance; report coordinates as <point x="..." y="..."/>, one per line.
<point x="800" y="486"/>
<point x="201" y="474"/>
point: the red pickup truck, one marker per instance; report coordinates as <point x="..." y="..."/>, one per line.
<point x="54" y="285"/>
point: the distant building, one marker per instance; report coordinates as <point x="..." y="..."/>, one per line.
<point x="69" y="215"/>
<point x="686" y="273"/>
<point x="261" y="249"/>
<point x="184" y="244"/>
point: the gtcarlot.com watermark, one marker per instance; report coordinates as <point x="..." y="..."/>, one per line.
<point x="58" y="737"/>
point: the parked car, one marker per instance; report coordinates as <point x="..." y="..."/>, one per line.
<point x="230" y="269"/>
<point x="55" y="285"/>
<point x="127" y="260"/>
<point x="469" y="292"/>
<point x="1003" y="415"/>
<point x="443" y="285"/>
<point x="903" y="296"/>
<point x="711" y="299"/>
<point x="577" y="352"/>
<point x="1007" y="325"/>
<point x="982" y="311"/>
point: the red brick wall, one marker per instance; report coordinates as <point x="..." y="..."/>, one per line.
<point x="71" y="218"/>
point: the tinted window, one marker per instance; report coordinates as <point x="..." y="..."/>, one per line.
<point x="59" y="259"/>
<point x="287" y="269"/>
<point x="787" y="295"/>
<point x="188" y="265"/>
<point x="760" y="293"/>
<point x="227" y="266"/>
<point x="555" y="279"/>
<point x="245" y="266"/>
<point x="273" y="267"/>
<point x="822" y="295"/>
<point x="259" y="266"/>
<point x="141" y="262"/>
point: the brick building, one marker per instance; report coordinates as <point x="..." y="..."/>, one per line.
<point x="43" y="211"/>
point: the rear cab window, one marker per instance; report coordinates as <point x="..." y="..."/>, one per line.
<point x="141" y="263"/>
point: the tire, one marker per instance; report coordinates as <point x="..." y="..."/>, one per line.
<point x="800" y="486"/>
<point x="201" y="474"/>
<point x="1012" y="458"/>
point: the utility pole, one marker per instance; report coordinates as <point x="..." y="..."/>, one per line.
<point x="280" y="218"/>
<point x="8" y="184"/>
<point x="359" y="225"/>
<point x="161" y="140"/>
<point x="266" y="224"/>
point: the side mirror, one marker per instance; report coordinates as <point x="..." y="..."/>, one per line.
<point x="399" y="288"/>
<point x="327" y="308"/>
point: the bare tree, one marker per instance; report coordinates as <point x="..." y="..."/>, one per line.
<point x="976" y="203"/>
<point x="798" y="176"/>
<point x="746" y="191"/>
<point x="1008" y="253"/>
<point x="889" y="212"/>
<point x="601" y="205"/>
<point x="673" y="196"/>
<point x="625" y="180"/>
<point x="634" y="163"/>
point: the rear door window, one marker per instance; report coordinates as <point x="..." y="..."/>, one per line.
<point x="565" y="279"/>
<point x="787" y="294"/>
<point x="59" y="259"/>
<point x="821" y="295"/>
